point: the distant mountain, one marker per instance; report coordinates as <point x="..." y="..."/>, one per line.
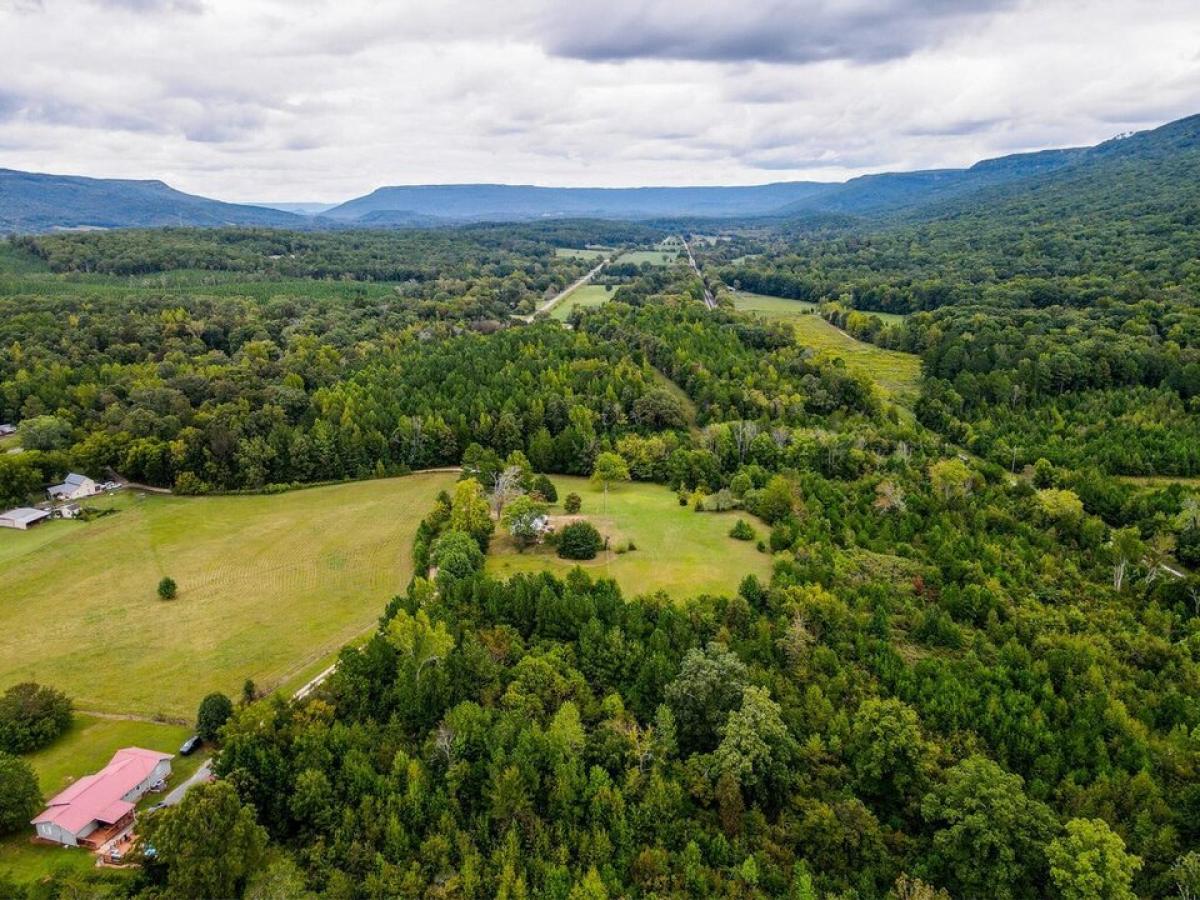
<point x="1130" y="179"/>
<point x="32" y="202"/>
<point x="300" y="209"/>
<point x="501" y="202"/>
<point x="872" y="194"/>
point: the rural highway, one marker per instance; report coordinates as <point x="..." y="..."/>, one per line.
<point x="709" y="300"/>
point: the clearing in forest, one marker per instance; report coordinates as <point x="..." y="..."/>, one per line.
<point x="589" y="295"/>
<point x="678" y="550"/>
<point x="896" y="373"/>
<point x="270" y="587"/>
<point x="595" y="253"/>
<point x="654" y="257"/>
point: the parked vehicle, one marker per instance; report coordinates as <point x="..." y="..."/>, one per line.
<point x="190" y="746"/>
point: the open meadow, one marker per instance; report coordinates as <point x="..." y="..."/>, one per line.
<point x="654" y="257"/>
<point x="678" y="550"/>
<point x="589" y="295"/>
<point x="269" y="586"/>
<point x="896" y="373"/>
<point x="595" y="253"/>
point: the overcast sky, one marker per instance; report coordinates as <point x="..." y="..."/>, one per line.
<point x="326" y="99"/>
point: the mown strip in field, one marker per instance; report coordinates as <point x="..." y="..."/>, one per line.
<point x="897" y="374"/>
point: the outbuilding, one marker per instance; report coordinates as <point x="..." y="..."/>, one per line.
<point x="22" y="517"/>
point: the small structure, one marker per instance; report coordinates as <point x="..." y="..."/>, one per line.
<point x="68" y="511"/>
<point x="22" y="517"/>
<point x="72" y="488"/>
<point x="6" y="429"/>
<point x="99" y="807"/>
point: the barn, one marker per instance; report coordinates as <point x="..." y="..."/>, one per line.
<point x="73" y="487"/>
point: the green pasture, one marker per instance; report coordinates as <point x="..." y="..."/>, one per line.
<point x="679" y="551"/>
<point x="269" y="586"/>
<point x="589" y="295"/>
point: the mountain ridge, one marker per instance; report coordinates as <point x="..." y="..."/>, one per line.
<point x="39" y="202"/>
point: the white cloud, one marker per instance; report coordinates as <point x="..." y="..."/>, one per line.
<point x="325" y="99"/>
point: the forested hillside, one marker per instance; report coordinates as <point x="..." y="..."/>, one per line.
<point x="973" y="669"/>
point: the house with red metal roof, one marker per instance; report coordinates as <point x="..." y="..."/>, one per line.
<point x="100" y="806"/>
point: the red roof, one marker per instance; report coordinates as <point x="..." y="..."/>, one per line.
<point x="97" y="798"/>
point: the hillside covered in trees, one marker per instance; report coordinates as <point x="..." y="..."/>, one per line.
<point x="974" y="668"/>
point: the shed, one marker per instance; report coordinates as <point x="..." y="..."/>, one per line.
<point x="22" y="517"/>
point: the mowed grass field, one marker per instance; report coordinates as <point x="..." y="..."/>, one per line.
<point x="654" y="257"/>
<point x="678" y="550"/>
<point x="588" y="295"/>
<point x="87" y="747"/>
<point x="581" y="253"/>
<point x="896" y="373"/>
<point x="269" y="586"/>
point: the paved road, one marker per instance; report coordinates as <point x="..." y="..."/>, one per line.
<point x="198" y="776"/>
<point x="709" y="300"/>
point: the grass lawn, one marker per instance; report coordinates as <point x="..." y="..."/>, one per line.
<point x="772" y="307"/>
<point x="678" y="550"/>
<point x="588" y="295"/>
<point x="268" y="586"/>
<point x="583" y="253"/>
<point x="654" y="257"/>
<point x="87" y="747"/>
<point x="896" y="373"/>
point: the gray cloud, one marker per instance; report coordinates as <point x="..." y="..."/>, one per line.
<point x="323" y="99"/>
<point x="799" y="31"/>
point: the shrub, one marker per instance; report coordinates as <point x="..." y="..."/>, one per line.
<point x="167" y="589"/>
<point x="544" y="486"/>
<point x="31" y="716"/>
<point x="215" y="710"/>
<point x="579" y="540"/>
<point x="742" y="531"/>
<point x="456" y="554"/>
<point x="722" y="501"/>
<point x="572" y="504"/>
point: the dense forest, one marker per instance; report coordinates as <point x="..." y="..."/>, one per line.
<point x="974" y="668"/>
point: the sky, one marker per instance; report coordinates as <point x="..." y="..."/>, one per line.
<point x="323" y="100"/>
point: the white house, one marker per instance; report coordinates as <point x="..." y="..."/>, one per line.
<point x="6" y="429"/>
<point x="100" y="806"/>
<point x="74" y="487"/>
<point x="22" y="517"/>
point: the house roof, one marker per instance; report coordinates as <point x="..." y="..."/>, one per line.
<point x="70" y="483"/>
<point x="24" y="514"/>
<point x="97" y="798"/>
